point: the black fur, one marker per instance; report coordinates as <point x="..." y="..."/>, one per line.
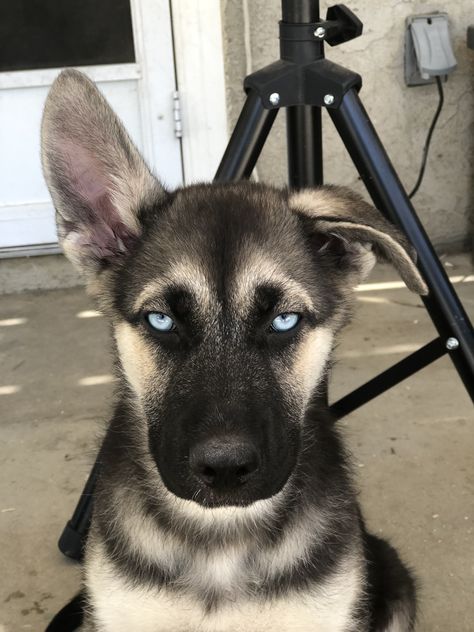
<point x="70" y="617"/>
<point x="389" y="582"/>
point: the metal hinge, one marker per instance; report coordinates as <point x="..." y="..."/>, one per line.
<point x="178" y="127"/>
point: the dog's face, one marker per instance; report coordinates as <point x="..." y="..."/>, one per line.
<point x="224" y="299"/>
<point x="224" y="327"/>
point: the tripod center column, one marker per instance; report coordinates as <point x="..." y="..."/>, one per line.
<point x="303" y="122"/>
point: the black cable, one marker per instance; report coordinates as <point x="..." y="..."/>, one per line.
<point x="428" y="138"/>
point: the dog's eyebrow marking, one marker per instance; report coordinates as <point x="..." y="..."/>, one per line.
<point x="261" y="271"/>
<point x="320" y="203"/>
<point x="184" y="274"/>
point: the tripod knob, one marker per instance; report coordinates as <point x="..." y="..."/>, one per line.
<point x="343" y="25"/>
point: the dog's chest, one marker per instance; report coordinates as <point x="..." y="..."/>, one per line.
<point x="119" y="607"/>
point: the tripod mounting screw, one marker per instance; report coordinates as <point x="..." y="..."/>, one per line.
<point x="328" y="99"/>
<point x="274" y="98"/>
<point x="452" y="343"/>
<point x="320" y="32"/>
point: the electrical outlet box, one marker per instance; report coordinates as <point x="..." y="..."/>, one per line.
<point x="428" y="51"/>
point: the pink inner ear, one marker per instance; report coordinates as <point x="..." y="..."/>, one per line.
<point x="86" y="174"/>
<point x="102" y="231"/>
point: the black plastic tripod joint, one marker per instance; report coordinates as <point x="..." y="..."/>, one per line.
<point x="320" y="83"/>
<point x="302" y="76"/>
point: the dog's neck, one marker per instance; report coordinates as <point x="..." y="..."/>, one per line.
<point x="222" y="568"/>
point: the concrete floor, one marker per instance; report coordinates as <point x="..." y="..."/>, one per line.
<point x="413" y="447"/>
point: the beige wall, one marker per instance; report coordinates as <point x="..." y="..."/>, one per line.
<point x="401" y="115"/>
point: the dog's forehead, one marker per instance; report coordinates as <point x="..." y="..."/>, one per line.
<point x="223" y="241"/>
<point x="226" y="218"/>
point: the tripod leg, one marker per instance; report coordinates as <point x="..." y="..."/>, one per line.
<point x="389" y="378"/>
<point x="247" y="140"/>
<point x="72" y="540"/>
<point x="388" y="194"/>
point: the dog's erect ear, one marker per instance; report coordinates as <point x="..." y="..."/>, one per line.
<point x="96" y="177"/>
<point x="336" y="214"/>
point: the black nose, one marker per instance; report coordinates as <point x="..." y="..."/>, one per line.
<point x="224" y="463"/>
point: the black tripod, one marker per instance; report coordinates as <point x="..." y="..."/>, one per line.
<point x="303" y="82"/>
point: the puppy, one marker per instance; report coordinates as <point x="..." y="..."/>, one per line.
<point x="226" y="501"/>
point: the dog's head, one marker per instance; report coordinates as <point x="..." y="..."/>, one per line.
<point x="224" y="299"/>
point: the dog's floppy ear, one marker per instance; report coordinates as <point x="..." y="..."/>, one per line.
<point x="336" y="214"/>
<point x="97" y="179"/>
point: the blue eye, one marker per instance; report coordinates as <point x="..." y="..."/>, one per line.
<point x="160" y="321"/>
<point x="285" y="322"/>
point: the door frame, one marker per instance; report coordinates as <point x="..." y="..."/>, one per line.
<point x="199" y="58"/>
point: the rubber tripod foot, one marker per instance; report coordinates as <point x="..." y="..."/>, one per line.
<point x="71" y="543"/>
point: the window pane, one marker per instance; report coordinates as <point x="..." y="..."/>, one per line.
<point x="56" y="33"/>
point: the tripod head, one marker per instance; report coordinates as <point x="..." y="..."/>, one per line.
<point x="302" y="76"/>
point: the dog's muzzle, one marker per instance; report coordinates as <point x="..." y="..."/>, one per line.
<point x="200" y="459"/>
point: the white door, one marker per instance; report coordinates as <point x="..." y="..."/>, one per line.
<point x="126" y="47"/>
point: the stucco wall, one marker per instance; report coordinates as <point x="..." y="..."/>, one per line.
<point x="401" y="115"/>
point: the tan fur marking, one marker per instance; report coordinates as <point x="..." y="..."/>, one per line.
<point x="400" y="621"/>
<point x="137" y="362"/>
<point x="227" y="517"/>
<point x="184" y="273"/>
<point x="296" y="544"/>
<point x="367" y="260"/>
<point x="320" y="203"/>
<point x="311" y="359"/>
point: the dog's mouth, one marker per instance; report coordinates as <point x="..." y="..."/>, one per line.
<point x="212" y="499"/>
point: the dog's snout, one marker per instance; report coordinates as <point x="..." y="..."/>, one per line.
<point x="224" y="464"/>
